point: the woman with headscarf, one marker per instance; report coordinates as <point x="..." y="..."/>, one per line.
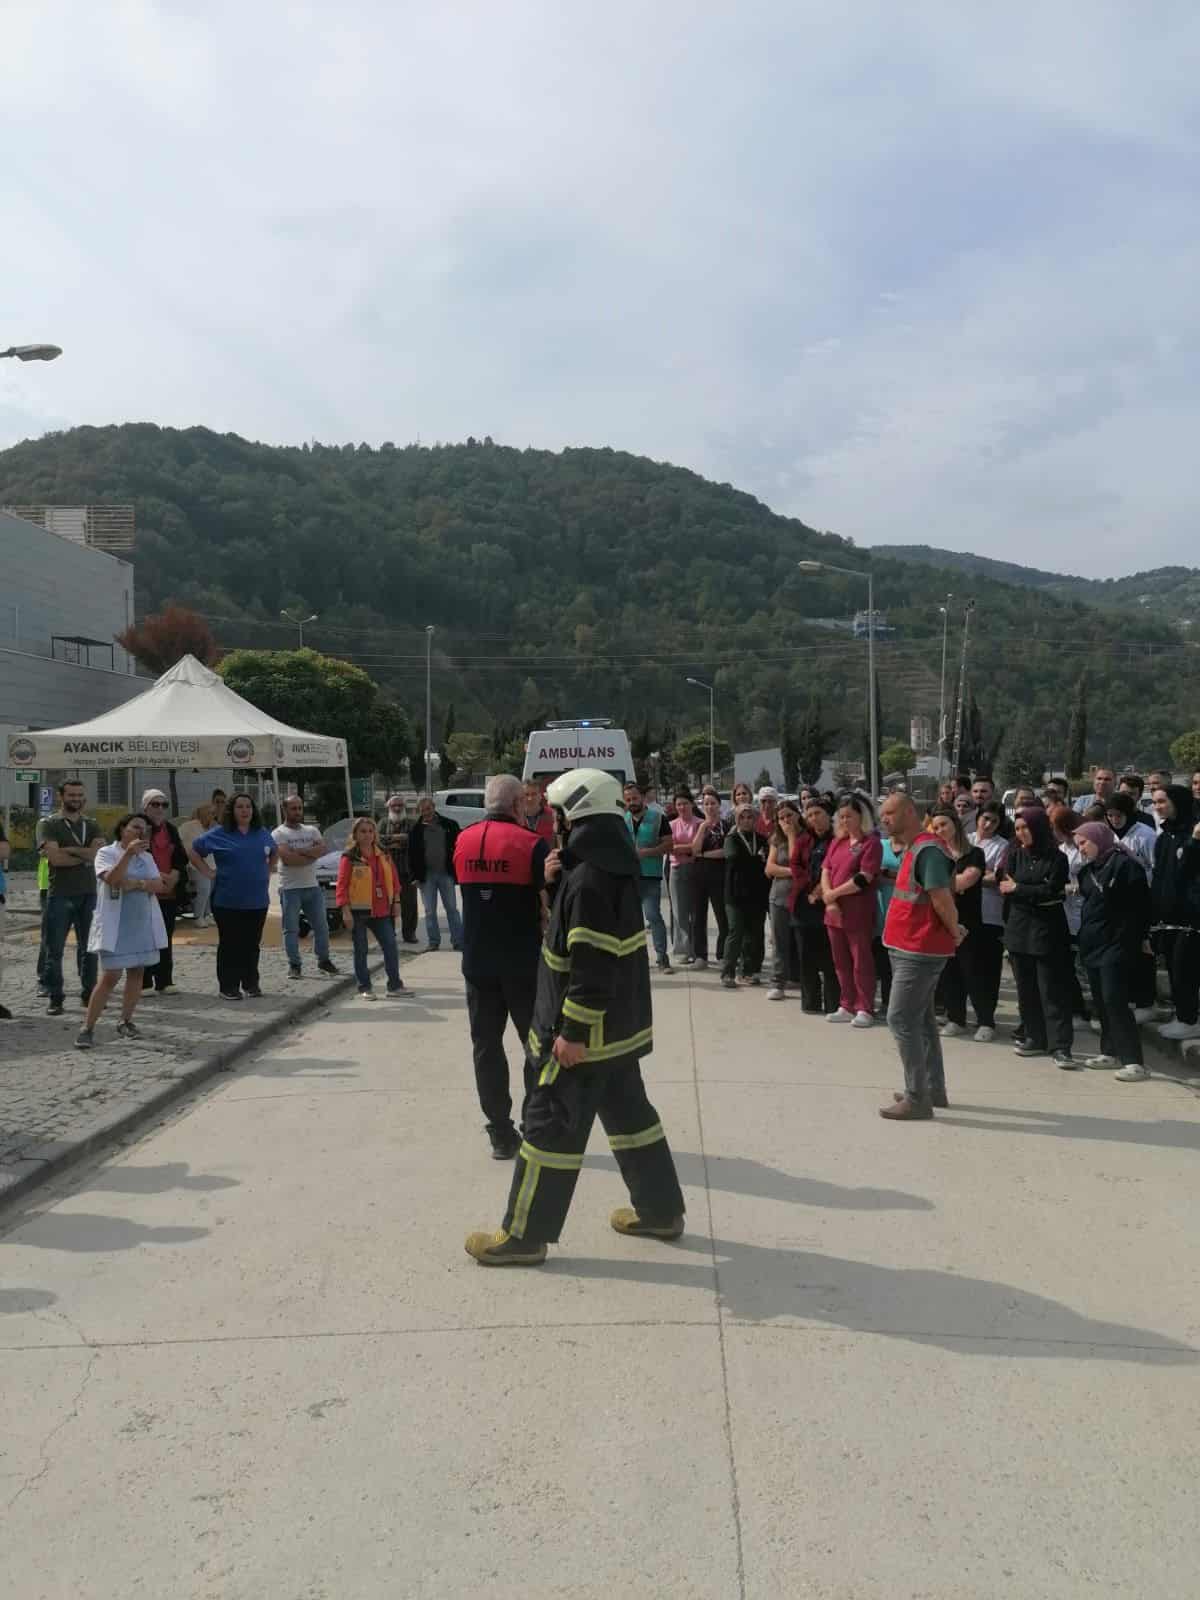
<point x="820" y="992"/>
<point x="1175" y="894"/>
<point x="1115" y="903"/>
<point x="1137" y="837"/>
<point x="1036" y="937"/>
<point x="848" y="876"/>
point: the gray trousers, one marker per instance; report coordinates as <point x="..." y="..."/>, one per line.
<point x="913" y="1022"/>
<point x="781" y="939"/>
<point x="682" y="899"/>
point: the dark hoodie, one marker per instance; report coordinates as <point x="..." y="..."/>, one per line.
<point x="1175" y="886"/>
<point x="594" y="979"/>
<point x="1035" y="923"/>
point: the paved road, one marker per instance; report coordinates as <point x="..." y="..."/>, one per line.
<point x="248" y="1357"/>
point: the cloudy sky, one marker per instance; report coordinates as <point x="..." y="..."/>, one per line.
<point x="920" y="273"/>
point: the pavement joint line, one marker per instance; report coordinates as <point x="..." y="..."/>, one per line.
<point x="727" y="1421"/>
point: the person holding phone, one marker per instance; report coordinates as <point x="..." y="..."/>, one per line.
<point x="128" y="931"/>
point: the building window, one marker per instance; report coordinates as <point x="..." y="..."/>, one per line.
<point x="112" y="787"/>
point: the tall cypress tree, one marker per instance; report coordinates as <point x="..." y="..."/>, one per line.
<point x="1077" y="730"/>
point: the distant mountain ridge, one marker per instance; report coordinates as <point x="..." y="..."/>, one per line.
<point x="1170" y="592"/>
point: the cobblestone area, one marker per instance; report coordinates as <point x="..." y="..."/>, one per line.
<point x="53" y="1096"/>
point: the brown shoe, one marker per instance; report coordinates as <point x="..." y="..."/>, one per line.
<point x="938" y="1101"/>
<point x="902" y="1109"/>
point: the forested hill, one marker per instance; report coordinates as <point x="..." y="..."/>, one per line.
<point x="1167" y="593"/>
<point x="585" y="581"/>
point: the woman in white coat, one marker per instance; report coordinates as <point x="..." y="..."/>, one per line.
<point x="128" y="930"/>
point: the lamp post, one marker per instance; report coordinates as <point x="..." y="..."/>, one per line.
<point x="853" y="572"/>
<point x="712" y="743"/>
<point x="428" y="703"/>
<point x="32" y="352"/>
<point x="299" y="622"/>
<point x="945" y="610"/>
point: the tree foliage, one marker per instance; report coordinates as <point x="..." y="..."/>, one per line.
<point x="1185" y="751"/>
<point x="324" y="695"/>
<point x="815" y="741"/>
<point x="158" y="641"/>
<point x="1025" y="752"/>
<point x="897" y="757"/>
<point x="1076" y="757"/>
<point x="692" y="751"/>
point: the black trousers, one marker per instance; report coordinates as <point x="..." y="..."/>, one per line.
<point x="883" y="970"/>
<point x="491" y="1004"/>
<point x="745" y="941"/>
<point x="819" y="986"/>
<point x="163" y="974"/>
<point x="408" y="910"/>
<point x="1120" y="1036"/>
<point x="558" y="1120"/>
<point x="1044" y="999"/>
<point x="973" y="972"/>
<point x="239" y="935"/>
<point x="708" y="889"/>
<point x="1181" y="954"/>
<point x="1143" y="981"/>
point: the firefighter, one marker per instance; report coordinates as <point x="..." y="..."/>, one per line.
<point x="591" y="1026"/>
<point x="500" y="867"/>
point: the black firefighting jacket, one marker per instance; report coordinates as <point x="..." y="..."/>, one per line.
<point x="594" y="977"/>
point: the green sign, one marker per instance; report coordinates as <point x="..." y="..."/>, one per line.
<point x="360" y="791"/>
<point x="28" y="777"/>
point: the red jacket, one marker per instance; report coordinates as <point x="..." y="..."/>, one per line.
<point x="800" y="863"/>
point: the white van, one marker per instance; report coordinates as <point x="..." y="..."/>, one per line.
<point x="586" y="742"/>
<point x="463" y="806"/>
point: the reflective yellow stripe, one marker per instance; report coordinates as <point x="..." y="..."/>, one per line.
<point x="556" y="1159"/>
<point x="524" y="1199"/>
<point x="533" y="1044"/>
<point x="621" y="1047"/>
<point x="555" y="963"/>
<point x="607" y="942"/>
<point x="549" y="1072"/>
<point x="635" y="1141"/>
<point x="580" y="1012"/>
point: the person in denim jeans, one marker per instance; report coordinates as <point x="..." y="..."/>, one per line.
<point x="300" y="848"/>
<point x="69" y="841"/>
<point x="368" y="893"/>
<point x="652" y="840"/>
<point x="431" y="842"/>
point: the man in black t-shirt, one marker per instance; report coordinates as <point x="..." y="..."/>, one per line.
<point x="69" y="841"/>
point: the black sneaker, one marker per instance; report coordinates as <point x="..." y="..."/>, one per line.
<point x="506" y="1142"/>
<point x="1065" y="1060"/>
<point x="83" y="1039"/>
<point x="411" y="939"/>
<point x="295" y="972"/>
<point x="1027" y="1048"/>
<point x="128" y="1029"/>
<point x="254" y="994"/>
<point x="328" y="967"/>
<point x="230" y="994"/>
<point x="664" y="965"/>
<point x="54" y="1009"/>
<point x="5" y="1014"/>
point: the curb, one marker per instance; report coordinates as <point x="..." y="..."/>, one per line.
<point x="45" y="1161"/>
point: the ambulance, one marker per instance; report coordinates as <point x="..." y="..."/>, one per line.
<point x="577" y="742"/>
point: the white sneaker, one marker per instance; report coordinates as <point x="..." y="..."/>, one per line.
<point x="863" y="1019"/>
<point x="951" y="1030"/>
<point x="700" y="964"/>
<point x="840" y="1015"/>
<point x="1180" y="1030"/>
<point x="1144" y="1013"/>
<point x="984" y="1035"/>
<point x="1133" y="1073"/>
<point x="775" y="994"/>
<point x="1094" y="1024"/>
<point x="1101" y="1061"/>
<point x="366" y="994"/>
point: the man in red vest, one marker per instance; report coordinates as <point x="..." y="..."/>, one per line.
<point x="921" y="934"/>
<point x="500" y="867"/>
<point x="538" y="816"/>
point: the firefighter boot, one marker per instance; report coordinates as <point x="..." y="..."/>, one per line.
<point x="626" y="1220"/>
<point x="500" y="1249"/>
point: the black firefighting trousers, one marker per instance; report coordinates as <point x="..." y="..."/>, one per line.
<point x="558" y="1119"/>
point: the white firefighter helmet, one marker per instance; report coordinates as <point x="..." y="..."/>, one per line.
<point x="586" y="792"/>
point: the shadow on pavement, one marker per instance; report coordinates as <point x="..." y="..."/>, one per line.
<point x="154" y="1180"/>
<point x="973" y="1316"/>
<point x="741" y="1175"/>
<point x="84" y="1231"/>
<point x="1166" y="1135"/>
<point x="16" y="1300"/>
<point x="294" y="1067"/>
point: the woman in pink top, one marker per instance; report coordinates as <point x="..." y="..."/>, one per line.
<point x="848" y="879"/>
<point x="684" y="827"/>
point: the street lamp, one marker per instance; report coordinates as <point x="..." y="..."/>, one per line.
<point x="945" y="610"/>
<point x="33" y="352"/>
<point x="853" y="572"/>
<point x="712" y="759"/>
<point x="300" y="622"/>
<point x="428" y="702"/>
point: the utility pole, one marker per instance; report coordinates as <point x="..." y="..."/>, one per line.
<point x="945" y="610"/>
<point x="428" y="704"/>
<point x="962" y="685"/>
<point x="712" y="743"/>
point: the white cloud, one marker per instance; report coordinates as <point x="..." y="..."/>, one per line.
<point x="907" y="273"/>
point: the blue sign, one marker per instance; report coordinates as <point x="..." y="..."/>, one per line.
<point x="45" y="801"/>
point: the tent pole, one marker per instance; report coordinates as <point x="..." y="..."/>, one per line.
<point x="278" y="796"/>
<point x="349" y="791"/>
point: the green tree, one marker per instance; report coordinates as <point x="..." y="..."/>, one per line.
<point x="897" y="757"/>
<point x="445" y="762"/>
<point x="789" y="751"/>
<point x="157" y="642"/>
<point x="815" y="741"/>
<point x="468" y="753"/>
<point x="1025" y="751"/>
<point x="323" y="694"/>
<point x="763" y="781"/>
<point x="1185" y="751"/>
<point x="691" y="752"/>
<point x="1077" y="730"/>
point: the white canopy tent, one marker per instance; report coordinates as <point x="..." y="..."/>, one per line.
<point x="189" y="718"/>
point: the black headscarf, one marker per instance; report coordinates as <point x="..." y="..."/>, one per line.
<point x="1038" y="823"/>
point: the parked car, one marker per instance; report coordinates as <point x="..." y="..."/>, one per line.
<point x="463" y="806"/>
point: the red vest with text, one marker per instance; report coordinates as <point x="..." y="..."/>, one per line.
<point x="912" y="923"/>
<point x="495" y="852"/>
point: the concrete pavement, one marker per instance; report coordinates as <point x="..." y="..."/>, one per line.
<point x="249" y="1357"/>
